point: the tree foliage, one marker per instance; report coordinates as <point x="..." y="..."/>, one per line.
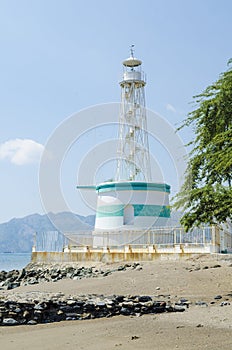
<point x="206" y="195"/>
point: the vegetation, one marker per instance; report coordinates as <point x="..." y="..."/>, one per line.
<point x="206" y="195"/>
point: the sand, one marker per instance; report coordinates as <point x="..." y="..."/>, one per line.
<point x="199" y="327"/>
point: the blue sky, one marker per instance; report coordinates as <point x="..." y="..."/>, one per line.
<point x="59" y="57"/>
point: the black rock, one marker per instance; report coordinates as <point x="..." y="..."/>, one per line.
<point x="121" y="268"/>
<point x="144" y="298"/>
<point x="218" y="297"/>
<point x="224" y="303"/>
<point x="125" y="311"/>
<point x="119" y="298"/>
<point x="21" y="274"/>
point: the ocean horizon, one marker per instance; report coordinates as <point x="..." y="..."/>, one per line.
<point x="14" y="261"/>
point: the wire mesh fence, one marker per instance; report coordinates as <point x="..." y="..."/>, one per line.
<point x="54" y="241"/>
<point x="50" y="241"/>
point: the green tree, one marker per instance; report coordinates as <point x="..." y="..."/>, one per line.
<point x="206" y="195"/>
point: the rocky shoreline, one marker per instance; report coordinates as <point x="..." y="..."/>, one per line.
<point x="39" y="273"/>
<point x="46" y="308"/>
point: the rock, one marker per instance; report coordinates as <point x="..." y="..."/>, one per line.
<point x="144" y="298"/>
<point x="106" y="273"/>
<point x="135" y="265"/>
<point x="7" y="285"/>
<point x="9" y="322"/>
<point x="128" y="304"/>
<point x="32" y="280"/>
<point x="40" y="307"/>
<point x="71" y="315"/>
<point x="119" y="298"/>
<point x="125" y="311"/>
<point x="75" y="278"/>
<point x="134" y="337"/>
<point x="32" y="322"/>
<point x="17" y="310"/>
<point x="160" y="307"/>
<point x="21" y="275"/>
<point x="26" y="314"/>
<point x="121" y="268"/>
<point x="169" y="308"/>
<point x="86" y="316"/>
<point x="101" y="304"/>
<point x="89" y="306"/>
<point x="201" y="303"/>
<point x="224" y="303"/>
<point x="80" y="302"/>
<point x="179" y="308"/>
<point x="218" y="297"/>
<point x="183" y="300"/>
<point x="60" y="312"/>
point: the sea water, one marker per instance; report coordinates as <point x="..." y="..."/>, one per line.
<point x="14" y="261"/>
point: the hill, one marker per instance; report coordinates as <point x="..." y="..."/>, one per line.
<point x="17" y="235"/>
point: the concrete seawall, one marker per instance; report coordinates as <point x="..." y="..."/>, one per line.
<point x="110" y="257"/>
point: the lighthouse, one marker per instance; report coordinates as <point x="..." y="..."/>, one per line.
<point x="132" y="203"/>
<point x="133" y="150"/>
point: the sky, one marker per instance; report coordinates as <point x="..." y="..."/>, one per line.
<point x="59" y="58"/>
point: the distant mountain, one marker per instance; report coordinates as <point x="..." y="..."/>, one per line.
<point x="17" y="235"/>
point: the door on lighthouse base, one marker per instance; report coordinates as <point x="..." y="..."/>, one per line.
<point x="128" y="215"/>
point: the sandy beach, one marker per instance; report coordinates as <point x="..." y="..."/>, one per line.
<point x="204" y="326"/>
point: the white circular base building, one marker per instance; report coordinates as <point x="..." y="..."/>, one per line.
<point x="129" y="206"/>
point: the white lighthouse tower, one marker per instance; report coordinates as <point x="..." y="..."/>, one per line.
<point x="133" y="150"/>
<point x="131" y="204"/>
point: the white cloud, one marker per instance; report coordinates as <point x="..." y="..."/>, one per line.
<point x="171" y="108"/>
<point x="21" y="151"/>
